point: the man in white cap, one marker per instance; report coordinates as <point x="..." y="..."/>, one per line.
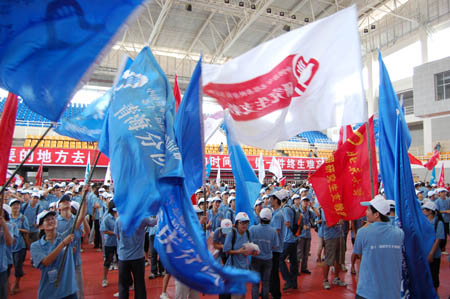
<point x="257" y="207"/>
<point x="443" y="206"/>
<point x="380" y="247"/>
<point x="6" y="240"/>
<point x="429" y="209"/>
<point x="219" y="239"/>
<point x="267" y="240"/>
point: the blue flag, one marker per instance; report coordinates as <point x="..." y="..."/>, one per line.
<point x="208" y="168"/>
<point x="47" y="47"/>
<point x="398" y="185"/>
<point x="189" y="132"/>
<point x="180" y="239"/>
<point x="433" y="177"/>
<point x="138" y="138"/>
<point x="87" y="125"/>
<point x="247" y="183"/>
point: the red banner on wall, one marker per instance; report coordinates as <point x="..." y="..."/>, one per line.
<point x="78" y="157"/>
<point x="55" y="156"/>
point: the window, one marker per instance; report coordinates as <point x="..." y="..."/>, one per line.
<point x="442" y="85"/>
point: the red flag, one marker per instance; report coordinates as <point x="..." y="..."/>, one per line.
<point x="414" y="160"/>
<point x="176" y="92"/>
<point x="441" y="183"/>
<point x="282" y="181"/>
<point x="344" y="180"/>
<point x="344" y="135"/>
<point x="39" y="174"/>
<point x="433" y="161"/>
<point x="7" y="124"/>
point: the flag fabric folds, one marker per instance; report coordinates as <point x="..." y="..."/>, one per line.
<point x="304" y="80"/>
<point x="398" y="183"/>
<point x="107" y="175"/>
<point x="39" y="174"/>
<point x="218" y="176"/>
<point x="441" y="182"/>
<point x="7" y="124"/>
<point x="17" y="180"/>
<point x="261" y="170"/>
<point x="180" y="240"/>
<point x="414" y="160"/>
<point x="88" y="167"/>
<point x="247" y="184"/>
<point x="189" y="132"/>
<point x="139" y="140"/>
<point x="344" y="180"/>
<point x="344" y="133"/>
<point x="176" y="92"/>
<point x="49" y="47"/>
<point x="275" y="168"/>
<point x="208" y="169"/>
<point x="433" y="161"/>
<point x="87" y="125"/>
<point x="212" y="123"/>
<point x="433" y="177"/>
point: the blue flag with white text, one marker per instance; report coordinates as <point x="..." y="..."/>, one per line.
<point x="87" y="125"/>
<point x="180" y="240"/>
<point x="139" y="139"/>
<point x="48" y="47"/>
<point x="189" y="132"/>
<point x="398" y="183"/>
<point x="247" y="183"/>
<point x="433" y="177"/>
<point x="208" y="168"/>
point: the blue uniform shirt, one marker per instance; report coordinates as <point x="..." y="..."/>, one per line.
<point x="236" y="260"/>
<point x="215" y="220"/>
<point x="229" y="214"/>
<point x="288" y="215"/>
<point x="31" y="213"/>
<point x="443" y="205"/>
<point x="20" y="224"/>
<point x="67" y="284"/>
<point x="5" y="250"/>
<point x="331" y="232"/>
<point x="266" y="238"/>
<point x="43" y="203"/>
<point x="132" y="247"/>
<point x="440" y="234"/>
<point x="108" y="224"/>
<point x="256" y="218"/>
<point x="277" y="223"/>
<point x="380" y="275"/>
<point x="66" y="225"/>
<point x="308" y="218"/>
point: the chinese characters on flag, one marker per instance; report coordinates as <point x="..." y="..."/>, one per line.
<point x="344" y="180"/>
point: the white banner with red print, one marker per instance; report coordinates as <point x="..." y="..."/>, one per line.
<point x="78" y="157"/>
<point x="305" y="80"/>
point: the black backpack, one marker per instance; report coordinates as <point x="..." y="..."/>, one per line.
<point x="297" y="224"/>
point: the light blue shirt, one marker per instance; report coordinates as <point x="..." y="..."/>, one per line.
<point x="44" y="204"/>
<point x="215" y="220"/>
<point x="66" y="225"/>
<point x="266" y="238"/>
<point x="67" y="284"/>
<point x="277" y="223"/>
<point x="236" y="260"/>
<point x="331" y="232"/>
<point x="5" y="250"/>
<point x="31" y="213"/>
<point x="108" y="224"/>
<point x="132" y="247"/>
<point x="229" y="214"/>
<point x="288" y="215"/>
<point x="440" y="234"/>
<point x="308" y="217"/>
<point x="20" y="242"/>
<point x="256" y="218"/>
<point x="77" y="198"/>
<point x="380" y="245"/>
<point x="443" y="205"/>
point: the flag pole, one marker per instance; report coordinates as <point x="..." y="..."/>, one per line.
<point x="83" y="200"/>
<point x="426" y="174"/>
<point x="25" y="159"/>
<point x="370" y="160"/>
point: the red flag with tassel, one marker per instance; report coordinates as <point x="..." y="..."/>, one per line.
<point x="176" y="92"/>
<point x="7" y="124"/>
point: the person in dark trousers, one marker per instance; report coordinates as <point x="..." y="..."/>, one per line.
<point x="277" y="222"/>
<point x="289" y="248"/>
<point x="131" y="254"/>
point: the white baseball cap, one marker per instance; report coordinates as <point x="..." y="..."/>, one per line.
<point x="42" y="215"/>
<point x="258" y="202"/>
<point x="7" y="209"/>
<point x="200" y="201"/>
<point x="295" y="196"/>
<point x="217" y="199"/>
<point x="391" y="203"/>
<point x="226" y="225"/>
<point x="303" y="190"/>
<point x="35" y="194"/>
<point x="197" y="209"/>
<point x="232" y="191"/>
<point x="68" y="193"/>
<point x="75" y="205"/>
<point x="63" y="184"/>
<point x="265" y="196"/>
<point x="224" y="192"/>
<point x="12" y="201"/>
<point x="242" y="216"/>
<point x="265" y="214"/>
<point x="429" y="205"/>
<point x="71" y="184"/>
<point x="217" y="192"/>
<point x="210" y="199"/>
<point x="431" y="193"/>
<point x="52" y="205"/>
<point x="231" y="198"/>
<point x="101" y="190"/>
<point x="379" y="203"/>
<point x="104" y="194"/>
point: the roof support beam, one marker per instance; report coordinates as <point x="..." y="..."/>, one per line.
<point x="240" y="28"/>
<point x="160" y="22"/>
<point x="199" y="33"/>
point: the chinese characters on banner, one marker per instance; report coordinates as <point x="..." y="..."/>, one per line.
<point x="344" y="180"/>
<point x="78" y="157"/>
<point x="55" y="156"/>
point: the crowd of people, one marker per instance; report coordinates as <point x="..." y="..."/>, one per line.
<point x="51" y="223"/>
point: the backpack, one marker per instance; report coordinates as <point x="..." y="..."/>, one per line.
<point x="233" y="240"/>
<point x="297" y="224"/>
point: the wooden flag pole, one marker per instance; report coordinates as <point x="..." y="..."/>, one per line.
<point x="83" y="200"/>
<point x="25" y="159"/>
<point x="370" y="160"/>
